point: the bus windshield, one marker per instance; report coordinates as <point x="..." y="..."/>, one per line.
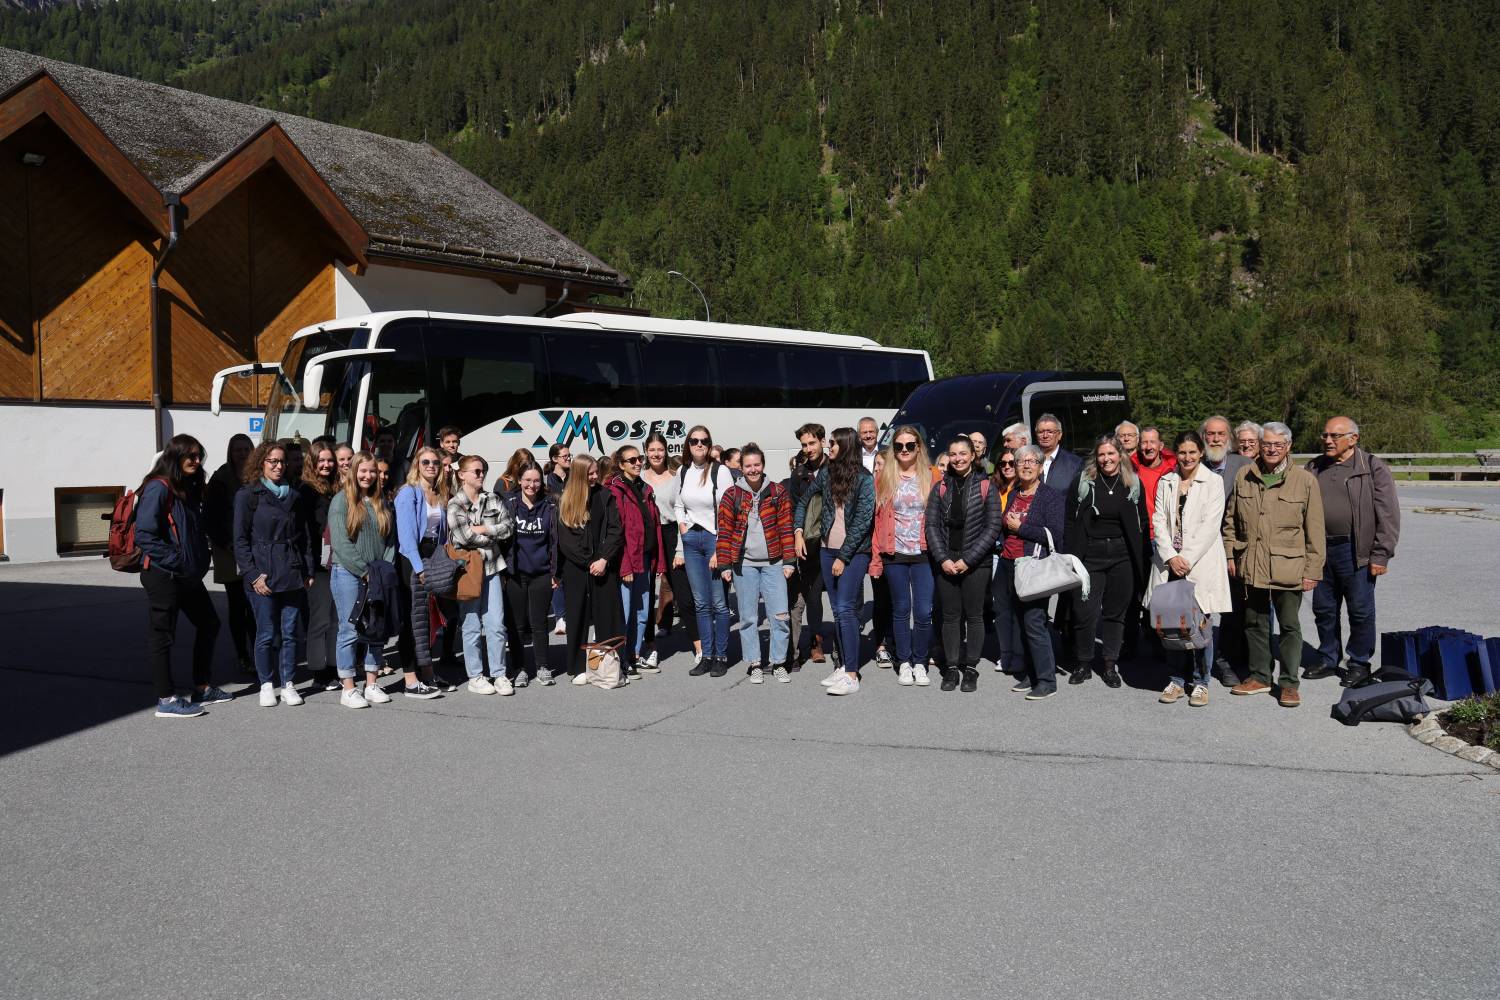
<point x="289" y="415"/>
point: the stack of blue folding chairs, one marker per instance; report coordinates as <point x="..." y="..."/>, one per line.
<point x="1458" y="663"/>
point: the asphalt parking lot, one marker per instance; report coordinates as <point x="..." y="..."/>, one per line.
<point x="694" y="837"/>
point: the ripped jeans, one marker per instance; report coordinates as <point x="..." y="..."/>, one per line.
<point x="753" y="584"/>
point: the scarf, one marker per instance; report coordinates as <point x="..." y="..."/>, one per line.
<point x="277" y="490"/>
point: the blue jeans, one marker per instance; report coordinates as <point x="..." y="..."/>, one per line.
<point x="485" y="615"/>
<point x="1007" y="621"/>
<point x="1345" y="582"/>
<point x="1039" y="665"/>
<point x="281" y="614"/>
<point x="911" y="609"/>
<point x="1195" y="662"/>
<point x="708" y="594"/>
<point x="845" y="593"/>
<point x="349" y="650"/>
<point x="753" y="584"/>
<point x="638" y="597"/>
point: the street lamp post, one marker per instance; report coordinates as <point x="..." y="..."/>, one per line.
<point x="707" y="316"/>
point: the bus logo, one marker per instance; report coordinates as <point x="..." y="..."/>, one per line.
<point x="580" y="424"/>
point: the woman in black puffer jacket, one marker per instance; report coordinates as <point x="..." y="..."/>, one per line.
<point x="963" y="521"/>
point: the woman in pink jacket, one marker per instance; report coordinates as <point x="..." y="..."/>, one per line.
<point x="898" y="552"/>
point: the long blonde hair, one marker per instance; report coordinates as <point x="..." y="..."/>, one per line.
<point x="889" y="479"/>
<point x="443" y="486"/>
<point x="354" y="499"/>
<point x="573" y="509"/>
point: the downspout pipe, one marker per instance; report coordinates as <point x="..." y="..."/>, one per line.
<point x="173" y="204"/>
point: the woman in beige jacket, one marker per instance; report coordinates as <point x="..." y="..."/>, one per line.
<point x="1187" y="531"/>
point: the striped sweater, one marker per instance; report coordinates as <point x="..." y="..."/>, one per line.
<point x="775" y="518"/>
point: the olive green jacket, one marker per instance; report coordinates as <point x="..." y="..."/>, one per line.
<point x="1273" y="535"/>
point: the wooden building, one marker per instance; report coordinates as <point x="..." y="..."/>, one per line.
<point x="150" y="237"/>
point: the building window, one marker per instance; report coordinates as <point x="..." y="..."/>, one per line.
<point x="82" y="517"/>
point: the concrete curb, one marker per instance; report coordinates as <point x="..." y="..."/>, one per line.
<point x="1429" y="732"/>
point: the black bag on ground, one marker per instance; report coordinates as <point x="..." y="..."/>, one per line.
<point x="1387" y="701"/>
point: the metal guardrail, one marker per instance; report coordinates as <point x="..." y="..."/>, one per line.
<point x="1486" y="467"/>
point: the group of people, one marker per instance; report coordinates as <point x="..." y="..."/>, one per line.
<point x="615" y="549"/>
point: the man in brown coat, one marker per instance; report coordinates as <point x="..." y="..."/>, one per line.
<point x="1274" y="541"/>
<point x="1362" y="516"/>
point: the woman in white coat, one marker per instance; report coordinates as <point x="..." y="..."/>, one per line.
<point x="1187" y="531"/>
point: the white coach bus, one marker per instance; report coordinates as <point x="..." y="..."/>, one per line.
<point x="593" y="381"/>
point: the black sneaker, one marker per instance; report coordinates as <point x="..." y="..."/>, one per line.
<point x="633" y="672"/>
<point x="1319" y="672"/>
<point x="971" y="680"/>
<point x="950" y="680"/>
<point x="425" y="692"/>
<point x="702" y="667"/>
<point x="211" y="696"/>
<point x="720" y="667"/>
<point x="1079" y="674"/>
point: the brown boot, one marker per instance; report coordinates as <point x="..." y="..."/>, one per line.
<point x="1289" y="698"/>
<point x="817" y="650"/>
<point x="1252" y="686"/>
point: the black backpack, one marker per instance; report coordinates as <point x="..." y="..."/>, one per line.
<point x="1387" y="701"/>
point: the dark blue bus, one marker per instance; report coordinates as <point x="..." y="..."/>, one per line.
<point x="1089" y="404"/>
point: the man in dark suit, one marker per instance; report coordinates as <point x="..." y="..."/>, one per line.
<point x="1060" y="467"/>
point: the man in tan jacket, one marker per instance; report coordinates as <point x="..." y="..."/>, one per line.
<point x="1274" y="541"/>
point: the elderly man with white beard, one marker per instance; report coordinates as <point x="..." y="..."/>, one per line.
<point x="1220" y="456"/>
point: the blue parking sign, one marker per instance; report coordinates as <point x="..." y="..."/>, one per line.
<point x="257" y="424"/>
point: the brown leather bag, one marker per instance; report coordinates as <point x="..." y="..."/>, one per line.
<point x="471" y="580"/>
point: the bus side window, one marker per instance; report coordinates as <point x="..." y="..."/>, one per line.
<point x="593" y="369"/>
<point x="814" y="378"/>
<point x="678" y="371"/>
<point x="751" y="374"/>
<point x="483" y="375"/>
<point x="872" y="378"/>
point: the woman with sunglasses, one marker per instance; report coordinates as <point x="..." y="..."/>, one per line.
<point x="421" y="530"/>
<point x="478" y="520"/>
<point x="660" y="473"/>
<point x="1007" y="627"/>
<point x="169" y="532"/>
<point x="848" y="494"/>
<point x="882" y="629"/>
<point x="589" y="541"/>
<point x="274" y="546"/>
<point x="898" y="551"/>
<point x="700" y="484"/>
<point x="641" y="553"/>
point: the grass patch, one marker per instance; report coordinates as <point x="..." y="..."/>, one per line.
<point x="1475" y="720"/>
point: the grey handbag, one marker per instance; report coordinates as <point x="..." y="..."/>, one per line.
<point x="1039" y="577"/>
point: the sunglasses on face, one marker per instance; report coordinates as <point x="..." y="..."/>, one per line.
<point x="906" y="446"/>
<point x="430" y="461"/>
<point x="1007" y="461"/>
<point x="697" y="442"/>
<point x="632" y="460"/>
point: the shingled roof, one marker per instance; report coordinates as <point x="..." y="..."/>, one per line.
<point x="412" y="201"/>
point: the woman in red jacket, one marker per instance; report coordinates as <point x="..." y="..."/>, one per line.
<point x="643" y="555"/>
<point x="757" y="550"/>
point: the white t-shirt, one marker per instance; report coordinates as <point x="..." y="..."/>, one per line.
<point x="868" y="458"/>
<point x="697" y="502"/>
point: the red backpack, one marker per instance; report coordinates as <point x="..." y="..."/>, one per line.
<point x="123" y="555"/>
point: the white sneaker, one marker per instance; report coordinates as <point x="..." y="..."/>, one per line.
<point x="480" y="685"/>
<point x="544" y="677"/>
<point x="581" y="679"/>
<point x="846" y="684"/>
<point x="919" y="676"/>
<point x="781" y="674"/>
<point x="502" y="687"/>
<point x="351" y="698"/>
<point x="904" y="675"/>
<point x="561" y="628"/>
<point x="289" y="696"/>
<point x="375" y="695"/>
<point x="649" y="664"/>
<point x="832" y="678"/>
<point x="268" y="696"/>
<point x="757" y="675"/>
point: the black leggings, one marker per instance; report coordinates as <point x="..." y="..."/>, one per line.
<point x="241" y="619"/>
<point x="590" y="600"/>
<point x="1111" y="593"/>
<point x="322" y="626"/>
<point x="527" y="599"/>
<point x="165" y="596"/>
<point x="963" y="615"/>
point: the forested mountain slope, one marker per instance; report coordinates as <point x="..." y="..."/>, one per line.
<point x="1278" y="209"/>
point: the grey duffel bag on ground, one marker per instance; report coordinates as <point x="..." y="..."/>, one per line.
<point x="1387" y="701"/>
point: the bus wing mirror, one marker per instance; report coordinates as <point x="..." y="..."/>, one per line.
<point x="312" y="377"/>
<point x="238" y="371"/>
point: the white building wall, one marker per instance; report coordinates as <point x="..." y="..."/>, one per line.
<point x="382" y="288"/>
<point x="45" y="447"/>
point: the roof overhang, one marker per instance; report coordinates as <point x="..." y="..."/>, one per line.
<point x="272" y="145"/>
<point x="40" y="95"/>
